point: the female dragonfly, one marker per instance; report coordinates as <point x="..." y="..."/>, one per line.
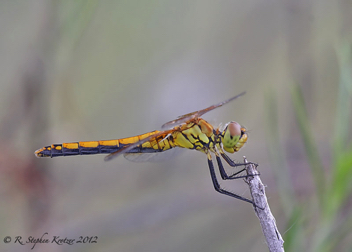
<point x="189" y="131"/>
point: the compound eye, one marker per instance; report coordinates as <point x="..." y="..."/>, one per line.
<point x="232" y="135"/>
<point x="234" y="129"/>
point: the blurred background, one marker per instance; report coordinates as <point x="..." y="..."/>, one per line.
<point x="94" y="70"/>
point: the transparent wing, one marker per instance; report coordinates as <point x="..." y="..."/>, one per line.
<point x="153" y="157"/>
<point x="179" y="120"/>
<point x="190" y="116"/>
<point x="131" y="146"/>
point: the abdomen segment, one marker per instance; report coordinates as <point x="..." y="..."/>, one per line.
<point x="104" y="146"/>
<point x="79" y="148"/>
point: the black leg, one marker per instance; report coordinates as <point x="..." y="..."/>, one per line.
<point x="217" y="185"/>
<point x="223" y="173"/>
<point x="233" y="164"/>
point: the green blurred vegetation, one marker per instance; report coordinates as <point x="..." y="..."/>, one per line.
<point x="90" y="70"/>
<point x="321" y="220"/>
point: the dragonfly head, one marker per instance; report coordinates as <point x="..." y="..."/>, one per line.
<point x="233" y="137"/>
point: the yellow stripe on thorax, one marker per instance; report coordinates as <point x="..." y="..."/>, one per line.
<point x="194" y="135"/>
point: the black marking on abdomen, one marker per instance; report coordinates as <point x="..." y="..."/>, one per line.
<point x="57" y="150"/>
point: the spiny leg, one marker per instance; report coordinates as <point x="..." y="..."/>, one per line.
<point x="223" y="173"/>
<point x="232" y="163"/>
<point x="217" y="185"/>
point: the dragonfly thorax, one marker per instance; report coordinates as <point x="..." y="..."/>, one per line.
<point x="233" y="137"/>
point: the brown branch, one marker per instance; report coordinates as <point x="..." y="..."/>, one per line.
<point x="262" y="210"/>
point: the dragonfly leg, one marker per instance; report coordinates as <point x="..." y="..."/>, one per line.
<point x="233" y="164"/>
<point x="223" y="173"/>
<point x="217" y="185"/>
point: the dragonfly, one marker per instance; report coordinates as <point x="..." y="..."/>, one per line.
<point x="188" y="131"/>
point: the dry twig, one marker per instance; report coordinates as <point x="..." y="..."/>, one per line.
<point x="262" y="210"/>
